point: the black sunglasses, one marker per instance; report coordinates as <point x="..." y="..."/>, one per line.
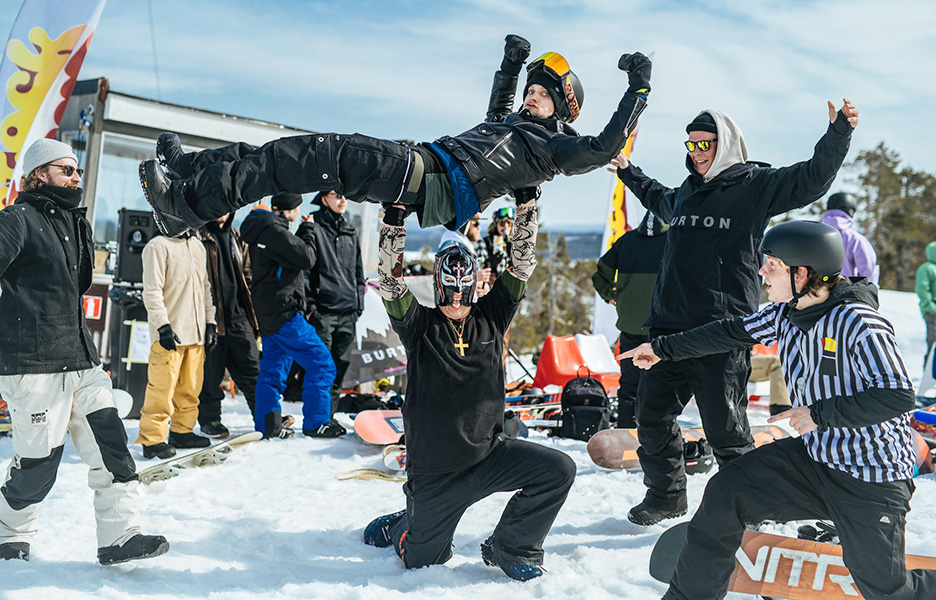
<point x="69" y="170"/>
<point x="702" y="145"/>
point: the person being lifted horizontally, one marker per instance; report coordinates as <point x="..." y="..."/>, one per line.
<point x="717" y="218"/>
<point x="853" y="460"/>
<point x="445" y="182"/>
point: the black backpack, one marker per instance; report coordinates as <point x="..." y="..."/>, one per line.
<point x="585" y="408"/>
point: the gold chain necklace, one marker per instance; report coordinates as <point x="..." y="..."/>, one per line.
<point x="460" y="345"/>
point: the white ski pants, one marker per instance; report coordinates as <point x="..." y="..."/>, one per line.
<point x="43" y="408"/>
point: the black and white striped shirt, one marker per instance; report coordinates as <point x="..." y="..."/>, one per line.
<point x="850" y="349"/>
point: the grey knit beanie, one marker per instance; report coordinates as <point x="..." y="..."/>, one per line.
<point x="44" y="151"/>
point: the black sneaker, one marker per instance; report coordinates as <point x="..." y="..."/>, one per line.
<point x="215" y="429"/>
<point x="14" y="551"/>
<point x="160" y="450"/>
<point x="188" y="440"/>
<point x="518" y="572"/>
<point x="646" y="513"/>
<point x="171" y="155"/>
<point x="377" y="532"/>
<point x="331" y="429"/>
<point x="156" y="182"/>
<point x="137" y="547"/>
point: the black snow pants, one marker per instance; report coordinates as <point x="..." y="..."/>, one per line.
<point x="435" y="503"/>
<point x="359" y="167"/>
<point x="719" y="383"/>
<point x="237" y="352"/>
<point x="630" y="377"/>
<point x="781" y="482"/>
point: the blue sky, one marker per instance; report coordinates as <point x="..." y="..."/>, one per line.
<point x="419" y="70"/>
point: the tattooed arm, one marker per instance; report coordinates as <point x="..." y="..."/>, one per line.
<point x="523" y="242"/>
<point x="393" y="290"/>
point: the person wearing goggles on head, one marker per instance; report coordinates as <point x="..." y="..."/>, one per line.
<point x="453" y="416"/>
<point x="853" y="460"/>
<point x="497" y="241"/>
<point x="717" y="218"/>
<point x="445" y="182"/>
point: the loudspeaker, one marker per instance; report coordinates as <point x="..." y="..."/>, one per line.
<point x="134" y="229"/>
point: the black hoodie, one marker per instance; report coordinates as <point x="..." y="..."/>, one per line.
<point x="277" y="259"/>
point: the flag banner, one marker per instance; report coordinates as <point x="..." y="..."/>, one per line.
<point x="38" y="70"/>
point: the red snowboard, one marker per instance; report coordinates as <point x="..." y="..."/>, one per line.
<point x="380" y="427"/>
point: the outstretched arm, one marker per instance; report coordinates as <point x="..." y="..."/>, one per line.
<point x="522" y="250"/>
<point x="516" y="52"/>
<point x="393" y="290"/>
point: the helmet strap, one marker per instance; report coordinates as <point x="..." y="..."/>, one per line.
<point x="796" y="295"/>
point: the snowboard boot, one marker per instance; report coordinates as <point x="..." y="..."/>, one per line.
<point x="137" y="547"/>
<point x="14" y="551"/>
<point x="650" y="512"/>
<point x="329" y="429"/>
<point x="215" y="429"/>
<point x="156" y="188"/>
<point x="188" y="440"/>
<point x="518" y="572"/>
<point x="377" y="532"/>
<point x="277" y="426"/>
<point x="171" y="155"/>
<point x="161" y="450"/>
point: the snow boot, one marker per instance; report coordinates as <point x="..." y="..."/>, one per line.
<point x="156" y="188"/>
<point x="188" y="440"/>
<point x="14" y="551"/>
<point x="171" y="155"/>
<point x="137" y="547"/>
<point x="329" y="429"/>
<point x="649" y="512"/>
<point x="161" y="450"/>
<point x="278" y="426"/>
<point x="215" y="429"/>
<point x="377" y="532"/>
<point x="518" y="572"/>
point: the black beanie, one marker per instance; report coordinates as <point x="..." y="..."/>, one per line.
<point x="552" y="86"/>
<point x="285" y="201"/>
<point x="317" y="199"/>
<point x="703" y="122"/>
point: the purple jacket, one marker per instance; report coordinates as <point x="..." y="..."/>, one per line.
<point x="860" y="257"/>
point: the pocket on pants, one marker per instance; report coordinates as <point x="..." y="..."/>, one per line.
<point x="32" y="434"/>
<point x="881" y="527"/>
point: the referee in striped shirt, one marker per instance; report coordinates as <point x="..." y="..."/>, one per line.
<point x="853" y="461"/>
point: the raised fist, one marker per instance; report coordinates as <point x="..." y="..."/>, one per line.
<point x="516" y="49"/>
<point x="637" y="66"/>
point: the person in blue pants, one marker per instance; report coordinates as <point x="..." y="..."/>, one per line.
<point x="278" y="259"/>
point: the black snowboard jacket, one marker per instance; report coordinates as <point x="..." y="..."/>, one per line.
<point x="712" y="253"/>
<point x="44" y="273"/>
<point x="335" y="285"/>
<point x="516" y="150"/>
<point x="278" y="259"/>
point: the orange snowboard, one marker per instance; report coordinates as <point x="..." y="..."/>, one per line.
<point x="379" y="426"/>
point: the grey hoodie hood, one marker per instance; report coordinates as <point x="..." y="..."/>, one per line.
<point x="730" y="149"/>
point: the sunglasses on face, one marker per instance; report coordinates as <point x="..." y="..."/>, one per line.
<point x="69" y="170"/>
<point x="702" y="145"/>
<point x="474" y="223"/>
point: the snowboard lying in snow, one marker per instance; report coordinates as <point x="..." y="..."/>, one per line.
<point x="379" y="427"/>
<point x="617" y="448"/>
<point x="212" y="455"/>
<point x="776" y="566"/>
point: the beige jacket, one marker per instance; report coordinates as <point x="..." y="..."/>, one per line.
<point x="176" y="289"/>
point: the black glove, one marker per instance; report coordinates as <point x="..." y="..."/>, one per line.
<point x="516" y="52"/>
<point x="395" y="216"/>
<point x="637" y="66"/>
<point x="524" y="195"/>
<point x="211" y="337"/>
<point x="167" y="338"/>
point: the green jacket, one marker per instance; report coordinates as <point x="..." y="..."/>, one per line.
<point x="926" y="281"/>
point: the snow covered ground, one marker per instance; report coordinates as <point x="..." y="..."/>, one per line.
<point x="274" y="522"/>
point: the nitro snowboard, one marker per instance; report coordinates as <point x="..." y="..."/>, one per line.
<point x="212" y="455"/>
<point x="776" y="566"/>
<point x="617" y="448"/>
<point x="379" y="427"/>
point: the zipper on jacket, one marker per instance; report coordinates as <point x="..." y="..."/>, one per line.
<point x="499" y="143"/>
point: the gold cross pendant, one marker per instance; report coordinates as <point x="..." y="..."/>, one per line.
<point x="461" y="345"/>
